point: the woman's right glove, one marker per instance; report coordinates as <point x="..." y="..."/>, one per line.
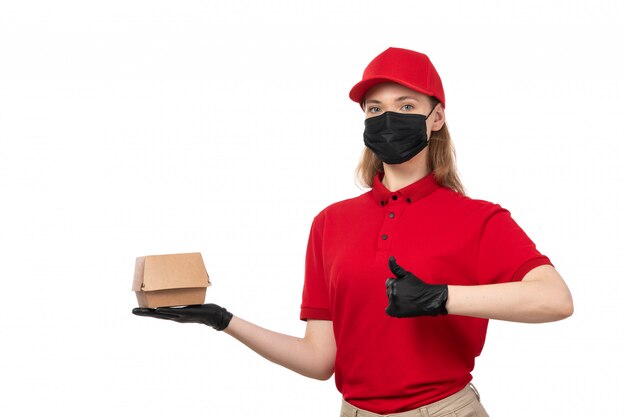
<point x="208" y="314"/>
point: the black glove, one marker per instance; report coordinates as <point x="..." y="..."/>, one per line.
<point x="209" y="314"/>
<point x="409" y="296"/>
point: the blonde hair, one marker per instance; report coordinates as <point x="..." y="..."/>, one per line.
<point x="441" y="160"/>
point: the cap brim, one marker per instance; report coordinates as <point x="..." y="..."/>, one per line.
<point x="358" y="91"/>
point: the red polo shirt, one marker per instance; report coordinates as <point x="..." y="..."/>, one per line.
<point x="386" y="364"/>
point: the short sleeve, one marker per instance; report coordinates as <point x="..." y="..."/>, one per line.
<point x="315" y="298"/>
<point x="505" y="252"/>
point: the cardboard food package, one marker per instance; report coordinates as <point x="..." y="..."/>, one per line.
<point x="170" y="280"/>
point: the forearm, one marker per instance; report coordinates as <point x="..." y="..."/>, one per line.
<point x="298" y="354"/>
<point x="534" y="300"/>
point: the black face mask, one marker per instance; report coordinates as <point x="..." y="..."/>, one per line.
<point x="396" y="137"/>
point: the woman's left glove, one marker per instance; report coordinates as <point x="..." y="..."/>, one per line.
<point x="409" y="296"/>
<point x="209" y="314"/>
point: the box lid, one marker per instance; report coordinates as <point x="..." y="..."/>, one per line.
<point x="159" y="272"/>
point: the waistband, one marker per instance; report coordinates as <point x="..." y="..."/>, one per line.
<point x="439" y="408"/>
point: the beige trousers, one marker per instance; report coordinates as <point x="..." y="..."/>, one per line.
<point x="465" y="403"/>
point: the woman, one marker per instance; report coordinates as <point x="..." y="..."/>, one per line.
<point x="400" y="281"/>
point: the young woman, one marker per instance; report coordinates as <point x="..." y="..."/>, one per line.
<point x="400" y="281"/>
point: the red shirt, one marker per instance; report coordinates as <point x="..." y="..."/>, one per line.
<point x="386" y="364"/>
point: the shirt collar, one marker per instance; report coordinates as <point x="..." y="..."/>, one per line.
<point x="410" y="193"/>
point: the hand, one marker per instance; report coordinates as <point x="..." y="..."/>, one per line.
<point x="209" y="314"/>
<point x="409" y="296"/>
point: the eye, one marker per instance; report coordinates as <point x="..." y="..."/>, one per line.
<point x="407" y="107"/>
<point x="374" y="109"/>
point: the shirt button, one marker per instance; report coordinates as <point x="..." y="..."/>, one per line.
<point x="384" y="237"/>
<point x="394" y="197"/>
<point x="391" y="215"/>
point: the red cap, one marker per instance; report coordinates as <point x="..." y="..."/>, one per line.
<point x="409" y="68"/>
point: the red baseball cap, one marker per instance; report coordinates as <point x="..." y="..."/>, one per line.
<point x="403" y="66"/>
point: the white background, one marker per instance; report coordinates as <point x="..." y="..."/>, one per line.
<point x="130" y="128"/>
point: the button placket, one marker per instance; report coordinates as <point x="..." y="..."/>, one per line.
<point x="395" y="205"/>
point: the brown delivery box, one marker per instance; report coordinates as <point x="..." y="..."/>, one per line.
<point x="170" y="280"/>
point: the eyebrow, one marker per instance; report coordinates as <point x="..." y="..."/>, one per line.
<point x="398" y="99"/>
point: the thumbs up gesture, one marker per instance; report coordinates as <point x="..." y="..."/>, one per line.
<point x="409" y="296"/>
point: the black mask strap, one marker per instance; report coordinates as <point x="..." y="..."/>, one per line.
<point x="431" y="111"/>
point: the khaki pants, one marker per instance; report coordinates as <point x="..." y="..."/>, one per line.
<point x="465" y="403"/>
